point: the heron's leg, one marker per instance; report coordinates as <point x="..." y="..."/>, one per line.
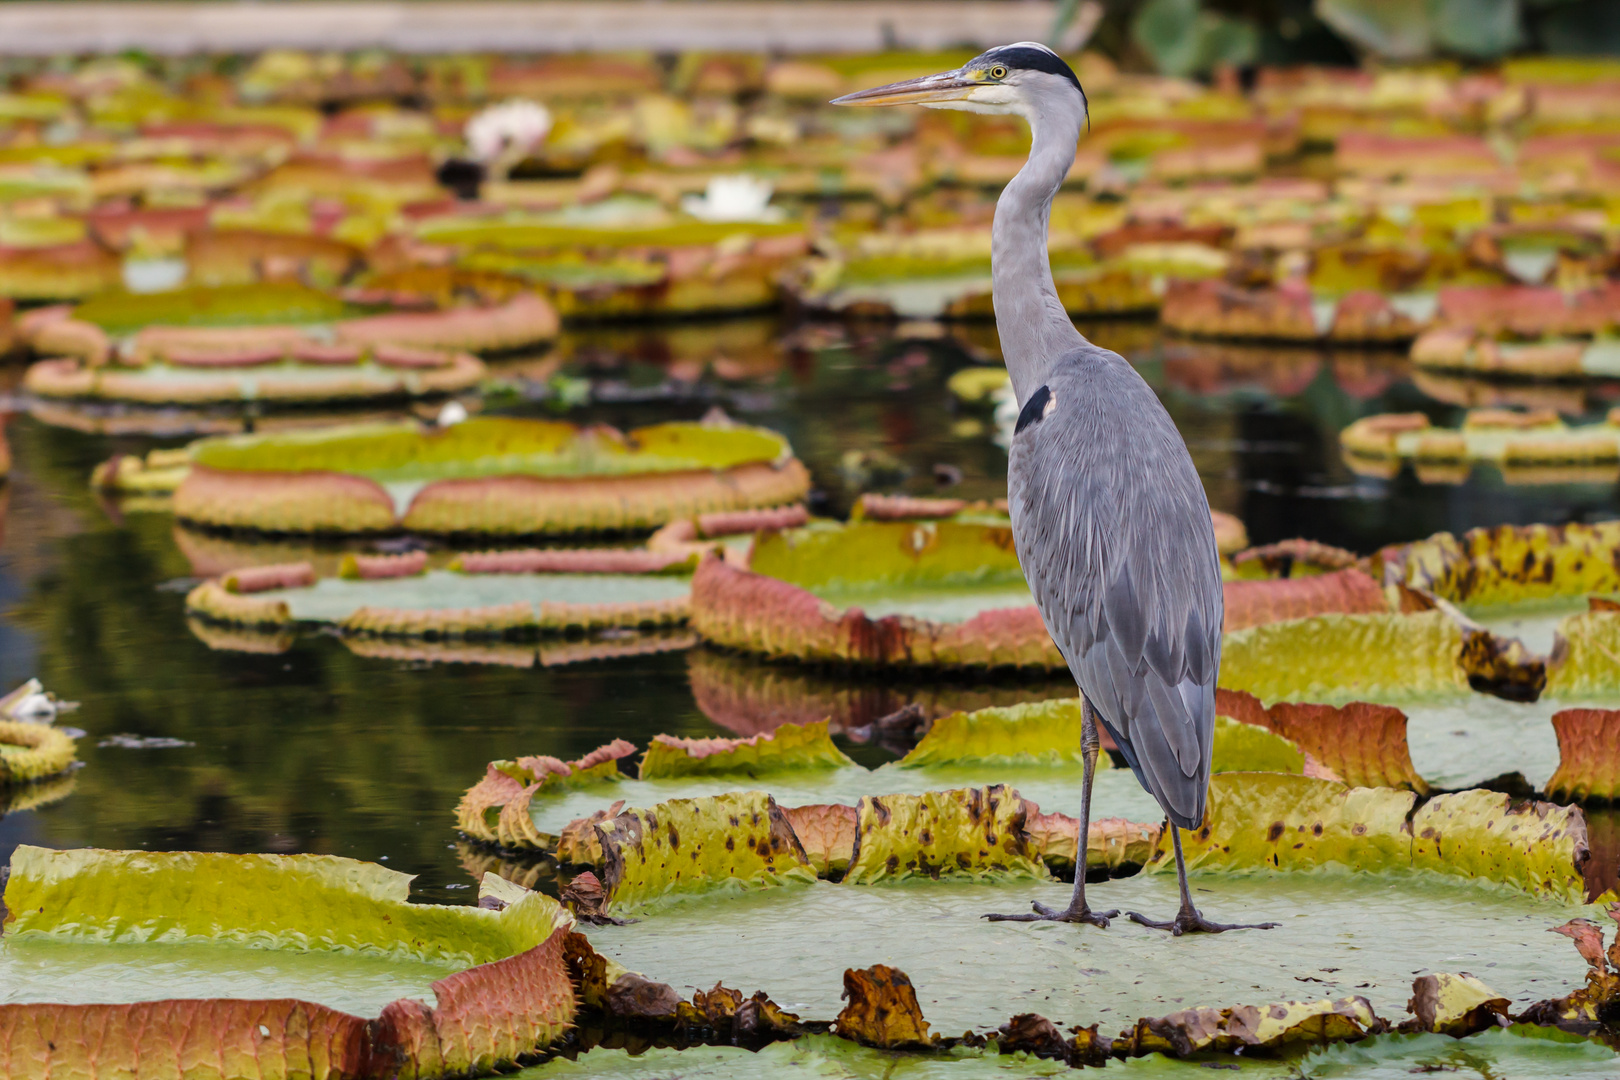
<point x="1188" y="920"/>
<point x="1077" y="911"/>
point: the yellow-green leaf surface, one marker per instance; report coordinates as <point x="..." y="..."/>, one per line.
<point x="1037" y="732"/>
<point x="971" y="832"/>
<point x="227" y="305"/>
<point x="728" y="843"/>
<point x="869" y="556"/>
<point x="789" y="747"/>
<point x="487" y="446"/>
<point x="1241" y="747"/>
<point x="1282" y="822"/>
<point x="32" y="752"/>
<point x="296" y="902"/>
<point x="1482" y="834"/>
<point x="1590" y="661"/>
<point x="1334" y="658"/>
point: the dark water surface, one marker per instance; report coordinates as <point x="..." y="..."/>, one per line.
<point x="318" y="749"/>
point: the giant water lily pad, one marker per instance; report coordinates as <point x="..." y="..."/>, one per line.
<point x="491" y="596"/>
<point x="1520" y="1052"/>
<point x="970" y="974"/>
<point x="1528" y="447"/>
<point x="526" y="803"/>
<point x="932" y="593"/>
<point x="235" y="965"/>
<point x="486" y="475"/>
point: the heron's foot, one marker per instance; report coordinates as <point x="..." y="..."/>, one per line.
<point x="1042" y="913"/>
<point x="1189" y="921"/>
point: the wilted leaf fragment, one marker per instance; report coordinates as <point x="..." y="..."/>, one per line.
<point x="968" y="831"/>
<point x="1456" y="1005"/>
<point x="1585" y="1010"/>
<point x="735" y="842"/>
<point x="496" y="809"/>
<point x="1588" y="755"/>
<point x="1194" y="1031"/>
<point x="791" y="746"/>
<point x="882" y="1009"/>
<point x="1536" y="846"/>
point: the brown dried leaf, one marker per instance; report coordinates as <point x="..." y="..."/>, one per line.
<point x="882" y="1009"/>
<point x="1032" y="1034"/>
<point x="1588" y="941"/>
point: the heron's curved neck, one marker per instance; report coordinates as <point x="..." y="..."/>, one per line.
<point x="1035" y="330"/>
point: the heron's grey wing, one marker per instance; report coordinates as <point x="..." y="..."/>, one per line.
<point x="1113" y="531"/>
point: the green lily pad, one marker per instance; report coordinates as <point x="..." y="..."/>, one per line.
<point x="485" y="475"/>
<point x="123" y="960"/>
<point x="1520" y="1052"/>
<point x="227" y="305"/>
<point x="1372" y="930"/>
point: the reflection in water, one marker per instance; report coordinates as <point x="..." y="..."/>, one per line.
<point x="362" y="748"/>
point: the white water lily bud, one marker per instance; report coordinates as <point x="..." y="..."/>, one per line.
<point x="510" y="128"/>
<point x="733" y="198"/>
<point x="454" y="412"/>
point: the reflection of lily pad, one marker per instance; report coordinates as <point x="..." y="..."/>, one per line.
<point x="250" y="936"/>
<point x="485" y="475"/>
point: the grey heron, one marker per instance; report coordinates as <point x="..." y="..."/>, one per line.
<point x="1110" y="520"/>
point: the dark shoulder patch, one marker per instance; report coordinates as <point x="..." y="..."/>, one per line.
<point x="1034" y="409"/>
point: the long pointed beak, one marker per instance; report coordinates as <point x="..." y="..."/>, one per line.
<point x="946" y="86"/>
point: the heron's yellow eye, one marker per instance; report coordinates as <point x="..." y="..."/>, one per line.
<point x="998" y="72"/>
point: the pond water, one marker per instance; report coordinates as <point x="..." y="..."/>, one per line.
<point x="320" y="749"/>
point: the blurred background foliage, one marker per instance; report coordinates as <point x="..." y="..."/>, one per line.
<point x="1197" y="37"/>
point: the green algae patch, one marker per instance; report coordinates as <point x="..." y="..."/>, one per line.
<point x="1340" y="657"/>
<point x="226" y="305"/>
<point x="1273" y="821"/>
<point x="971" y="832"/>
<point x="1535" y="847"/>
<point x="1241" y="747"/>
<point x="789" y="747"/>
<point x="729" y="843"/>
<point x="503" y="989"/>
<point x="1034" y="733"/>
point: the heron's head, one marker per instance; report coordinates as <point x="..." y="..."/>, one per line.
<point x="1026" y="79"/>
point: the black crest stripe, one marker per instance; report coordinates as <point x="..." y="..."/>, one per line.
<point x="1033" y="408"/>
<point x="1016" y="56"/>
